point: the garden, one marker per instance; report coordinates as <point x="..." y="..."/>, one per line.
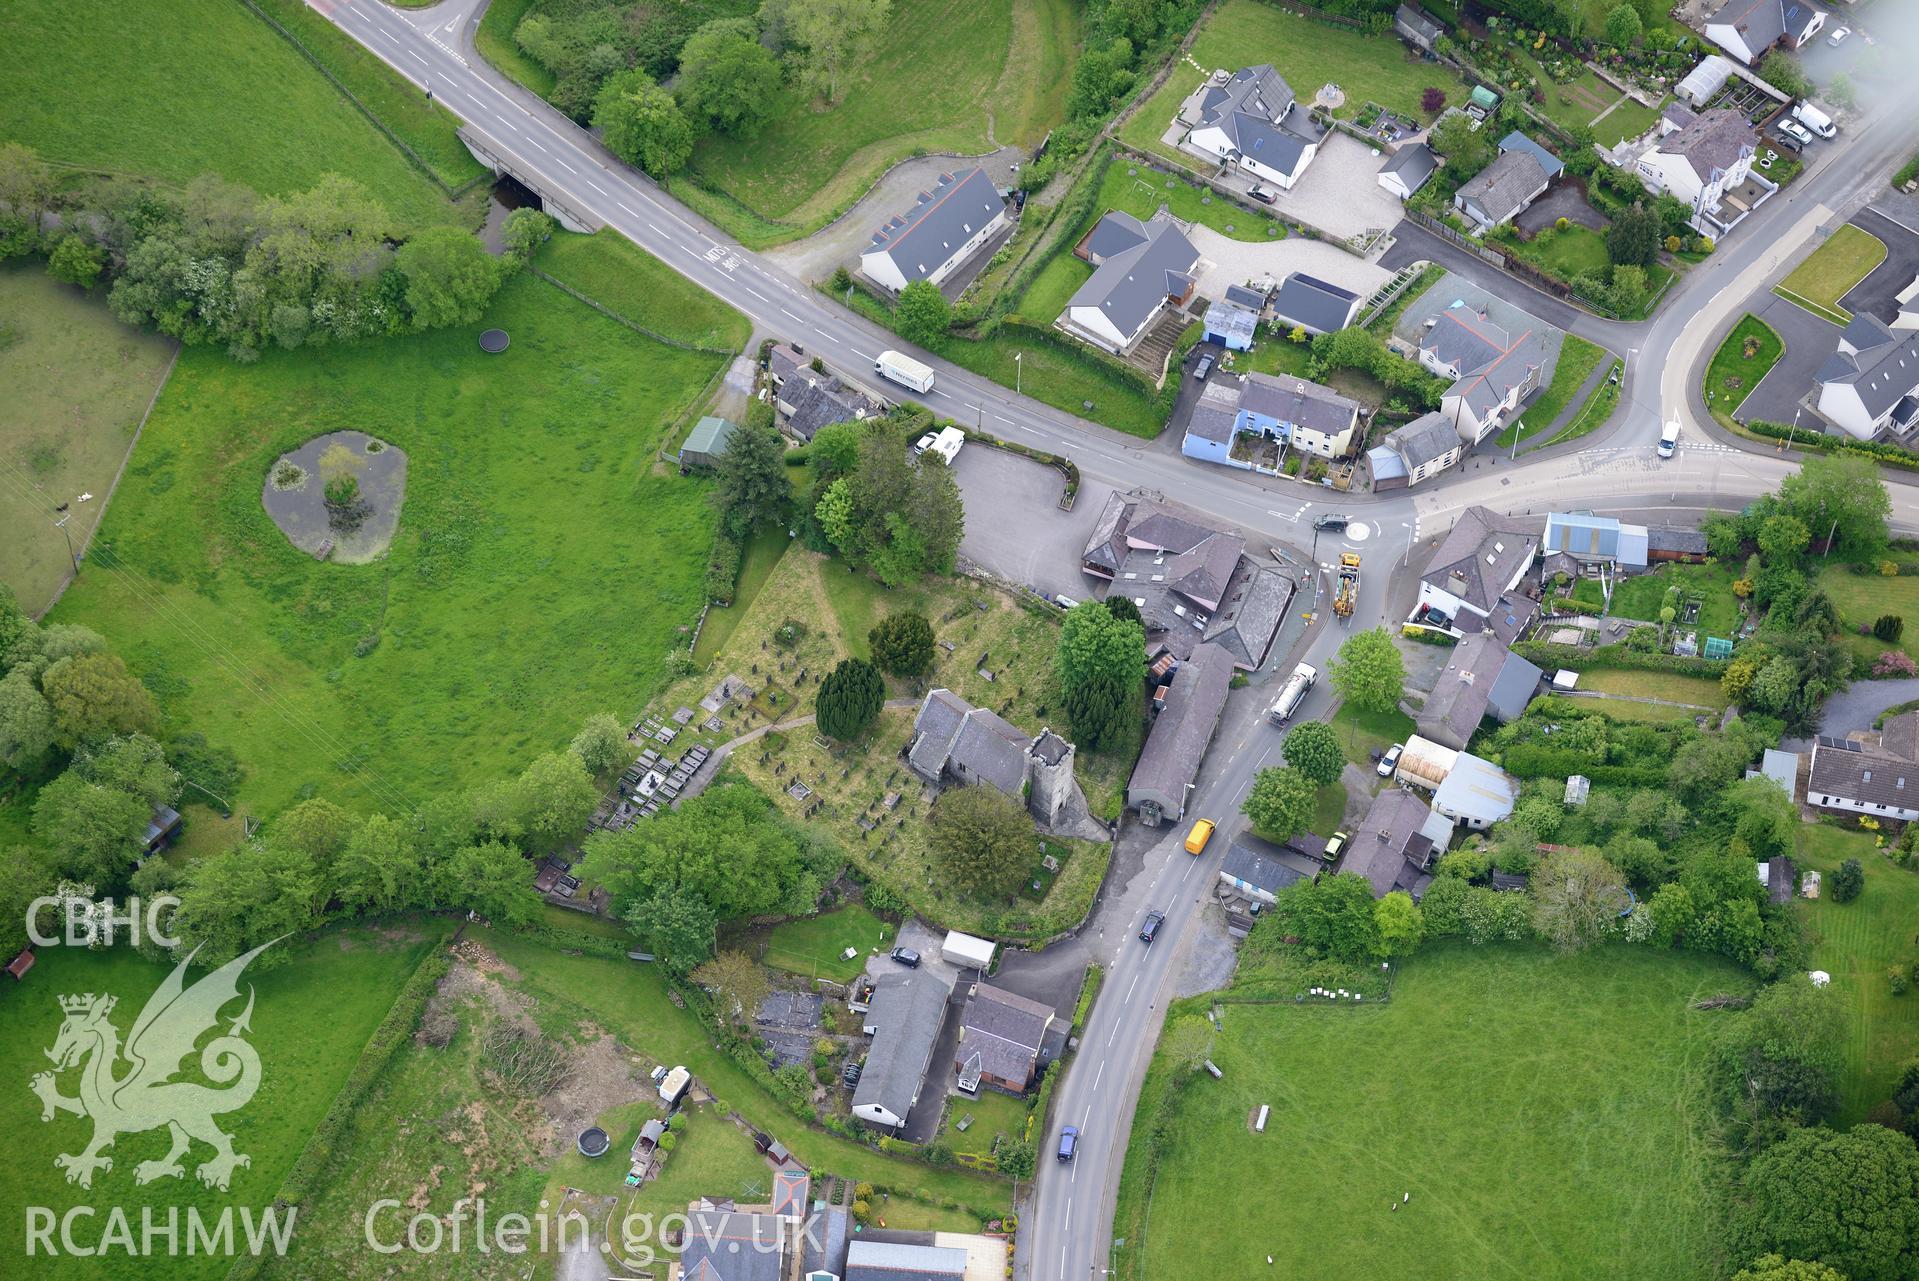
<point x="1700" y="596"/>
<point x="816" y="946"/>
<point x="1741" y="363"/>
<point x="1830" y="272"/>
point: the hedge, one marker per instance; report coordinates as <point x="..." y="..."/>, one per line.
<point x="723" y="566"/>
<point x="1616" y="657"/>
<point x="1533" y="760"/>
<point x="1890" y="454"/>
<point x="565" y="940"/>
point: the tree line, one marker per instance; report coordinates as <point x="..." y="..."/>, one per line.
<point x="218" y="264"/>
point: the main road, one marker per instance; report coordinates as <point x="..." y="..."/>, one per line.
<point x="1067" y="1231"/>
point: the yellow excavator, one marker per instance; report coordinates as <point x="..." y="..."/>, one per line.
<point x="1346" y="592"/>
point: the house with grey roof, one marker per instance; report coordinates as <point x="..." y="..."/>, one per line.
<point x="1140" y="269"/>
<point x="1705" y="160"/>
<point x="1001" y="1038"/>
<point x="1259" y="872"/>
<point x="1416" y="27"/>
<point x="956" y="743"/>
<point x="1494" y="369"/>
<point x="1750" y="29"/>
<point x="806" y="399"/>
<point x="1396" y="844"/>
<point x="1181" y="732"/>
<point x="1417" y="452"/>
<point x="873" y="1260"/>
<point x="1549" y="164"/>
<point x="732" y="1245"/>
<point x="1408" y="169"/>
<point x="1862" y="775"/>
<point x="1249" y="121"/>
<point x="904" y="1020"/>
<point x="1497" y="193"/>
<point x="1474" y="573"/>
<point x="1232" y="416"/>
<point x="1309" y="303"/>
<point x="1193" y="583"/>
<point x="1869" y="387"/>
<point x="938" y="235"/>
<point x="1482" y="678"/>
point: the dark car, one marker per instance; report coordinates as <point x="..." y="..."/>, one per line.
<point x="1068" y="1142"/>
<point x="1204" y="367"/>
<point x="907" y="956"/>
<point x="1332" y="522"/>
<point x="851" y="1075"/>
<point x="1154" y="920"/>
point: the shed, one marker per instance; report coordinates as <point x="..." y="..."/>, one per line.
<point x="20" y="964"/>
<point x="674" y="1084"/>
<point x="162" y="827"/>
<point x="967" y="950"/>
<point x="1565" y="679"/>
<point x="650" y="1135"/>
<point x="1231" y="325"/>
<point x="707" y="442"/>
<point x="1781" y="767"/>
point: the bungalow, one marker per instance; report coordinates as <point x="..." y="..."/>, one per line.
<point x="1001" y="1037"/>
<point x="1408" y="169"/>
<point x="1482" y="678"/>
<point x="1500" y="191"/>
<point x="1260" y="873"/>
<point x="1869" y="386"/>
<point x="1494" y="369"/>
<point x="904" y="1021"/>
<point x="1705" y="160"/>
<point x="1306" y="416"/>
<point x="1176" y="744"/>
<point x="1308" y="303"/>
<point x="1880" y="779"/>
<point x="1250" y="121"/>
<point x="1423" y="448"/>
<point x="1749" y="29"/>
<point x="1596" y="540"/>
<point x="1472" y="582"/>
<point x="1396" y="844"/>
<point x="945" y="228"/>
<point x="1140" y="269"/>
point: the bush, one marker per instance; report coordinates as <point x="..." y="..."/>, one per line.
<point x="1888" y="628"/>
<point x="1549" y="656"/>
<point x="1894" y="662"/>
<point x="1848" y="881"/>
<point x="723" y="567"/>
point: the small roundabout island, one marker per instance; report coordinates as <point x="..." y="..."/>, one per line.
<point x="338" y="496"/>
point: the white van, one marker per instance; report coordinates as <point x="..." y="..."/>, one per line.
<point x="1669" y="439"/>
<point x="1814" y="119"/>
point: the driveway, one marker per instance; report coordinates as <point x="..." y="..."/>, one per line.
<point x="1565" y="200"/>
<point x="1856" y="707"/>
<point x="1339" y="195"/>
<point x="1015" y="529"/>
<point x="1225" y="261"/>
<point x="1878" y="293"/>
<point x="1809" y="340"/>
<point x="1051" y="977"/>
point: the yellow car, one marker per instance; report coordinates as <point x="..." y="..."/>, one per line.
<point x="1196" y="839"/>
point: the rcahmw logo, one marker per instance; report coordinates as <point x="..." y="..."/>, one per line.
<point x="134" y="1088"/>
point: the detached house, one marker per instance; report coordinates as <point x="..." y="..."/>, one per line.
<point x="1705" y="160"/>
<point x="1313" y="305"/>
<point x="1002" y="1040"/>
<point x="1748" y="29"/>
<point x="1518" y="175"/>
<point x="1495" y="370"/>
<point x="1140" y="269"/>
<point x="944" y="228"/>
<point x="806" y="399"/>
<point x="1396" y="844"/>
<point x="1472" y="583"/>
<point x="1420" y="450"/>
<point x="1869" y="387"/>
<point x="1880" y="779"/>
<point x="1249" y="121"/>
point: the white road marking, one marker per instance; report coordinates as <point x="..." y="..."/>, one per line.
<point x="857" y="352"/>
<point x="1097" y="1075"/>
<point x="756" y="293"/>
<point x="417" y="58"/>
<point x="1111" y="1035"/>
<point x="536" y="143"/>
<point x="1129" y="991"/>
<point x="789" y="315"/>
<point x="1003" y="418"/>
<point x="656" y="231"/>
<point x="562" y="163"/>
<point x="596" y="186"/>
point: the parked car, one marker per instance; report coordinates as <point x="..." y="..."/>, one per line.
<point x="1065" y="602"/>
<point x="1332" y="522"/>
<point x="1335" y="843"/>
<point x="1390" y="761"/>
<point x="1068" y="1142"/>
<point x="1839" y="36"/>
<point x="1262" y="195"/>
<point x="1204" y="367"/>
<point x="1793" y="134"/>
<point x="1154" y="919"/>
<point x="907" y="956"/>
<point x="1202" y="832"/>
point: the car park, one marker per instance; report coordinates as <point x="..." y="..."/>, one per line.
<point x="1202" y="832"/>
<point x="1068" y="1142"/>
<point x="1154" y="919"/>
<point x="1390" y="761"/>
<point x="907" y="956"/>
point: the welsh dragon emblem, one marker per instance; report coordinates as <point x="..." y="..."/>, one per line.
<point x="145" y="1094"/>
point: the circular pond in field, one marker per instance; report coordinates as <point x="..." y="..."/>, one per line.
<point x="338" y="496"/>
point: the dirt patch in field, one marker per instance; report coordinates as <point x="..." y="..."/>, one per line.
<point x="605" y="1075"/>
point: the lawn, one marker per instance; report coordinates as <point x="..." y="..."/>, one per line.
<point x="814" y="946"/>
<point x="1140" y="190"/>
<point x="85" y="94"/>
<point x="923" y="90"/>
<point x="835" y="609"/>
<point x="1329" y="807"/>
<point x="1577" y="359"/>
<point x="1700" y="691"/>
<point x="78" y="382"/>
<point x="1308" y="54"/>
<point x="1597" y="410"/>
<point x="1733" y="373"/>
<point x="1862" y="598"/>
<point x="1825" y="277"/>
<point x="628" y="281"/>
<point x="1361" y="733"/>
<point x="311" y="1019"/>
<point x="1627" y="120"/>
<point x="1856" y="942"/>
<point x="1053" y="287"/>
<point x="1641" y="597"/>
<point x="1567" y="254"/>
<point x="1559" y="1127"/>
<point x="541" y="571"/>
<point x="995" y="1116"/>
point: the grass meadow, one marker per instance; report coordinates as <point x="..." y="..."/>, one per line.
<point x="78" y="381"/>
<point x="207" y="89"/>
<point x="926" y="88"/>
<point x="544" y="563"/>
<point x="311" y="1019"/>
<point x="1546" y="1113"/>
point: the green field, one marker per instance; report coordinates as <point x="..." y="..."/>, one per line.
<point x="85" y="94"/>
<point x="311" y="1019"/>
<point x="1831" y="272"/>
<point x="815" y="945"/>
<point x="1856" y="942"/>
<point x="78" y="381"/>
<point x="1732" y="375"/>
<point x="1577" y="359"/>
<point x="630" y="282"/>
<point x="927" y="88"/>
<point x="1308" y="54"/>
<point x="1546" y="1114"/>
<point x="541" y="571"/>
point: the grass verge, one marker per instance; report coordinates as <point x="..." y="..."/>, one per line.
<point x="1742" y="361"/>
<point x="632" y="283"/>
<point x="1818" y="283"/>
<point x="1577" y="359"/>
<point x="1597" y="410"/>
